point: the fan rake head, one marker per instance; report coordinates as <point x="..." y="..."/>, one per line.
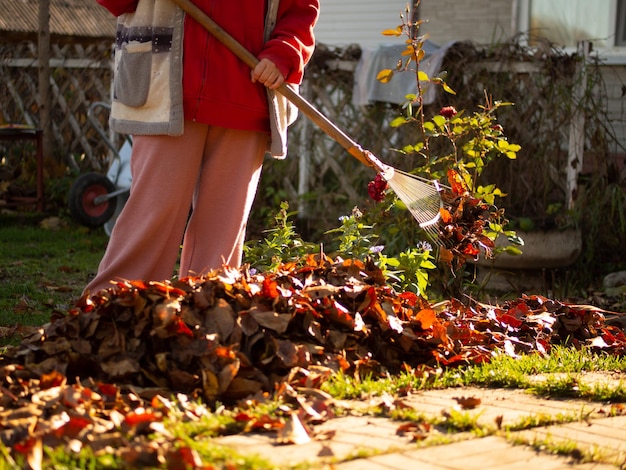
<point x="421" y="196"/>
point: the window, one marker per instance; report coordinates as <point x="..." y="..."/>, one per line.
<point x="567" y="22"/>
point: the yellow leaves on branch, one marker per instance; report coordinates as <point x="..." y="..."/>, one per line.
<point x="385" y="75"/>
<point x="397" y="31"/>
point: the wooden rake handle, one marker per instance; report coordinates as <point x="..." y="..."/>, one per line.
<point x="303" y="105"/>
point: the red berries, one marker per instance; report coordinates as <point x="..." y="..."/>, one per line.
<point x="448" y="111"/>
<point x="376" y="188"/>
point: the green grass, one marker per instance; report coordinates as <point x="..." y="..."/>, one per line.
<point x="563" y="369"/>
<point x="42" y="270"/>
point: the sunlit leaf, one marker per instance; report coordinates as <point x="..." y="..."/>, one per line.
<point x="422" y="76"/>
<point x="385" y="76"/>
<point x="513" y="250"/>
<point x="393" y="32"/>
<point x="447" y="89"/>
<point x="409" y="51"/>
<point x="456" y="182"/>
<point x="397" y="122"/>
<point x="439" y="121"/>
<point x="429" y="126"/>
<point x="137" y="418"/>
<point x="426" y="317"/>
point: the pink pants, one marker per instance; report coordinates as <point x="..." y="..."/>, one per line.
<point x="213" y="170"/>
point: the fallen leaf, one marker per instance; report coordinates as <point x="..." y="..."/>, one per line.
<point x="293" y="432"/>
<point x="468" y="403"/>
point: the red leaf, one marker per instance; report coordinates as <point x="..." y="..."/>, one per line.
<point x="241" y="416"/>
<point x="471" y="250"/>
<point x="426" y="317"/>
<point x="270" y="288"/>
<point x="608" y="337"/>
<point x="446" y="217"/>
<point x="73" y="427"/>
<point x="133" y="419"/>
<point x="183" y="329"/>
<point x="519" y="310"/>
<point x="108" y="391"/>
<point x="510" y="320"/>
<point x="26" y="446"/>
<point x="183" y="458"/>
<point x="456" y="183"/>
<point x="410" y="298"/>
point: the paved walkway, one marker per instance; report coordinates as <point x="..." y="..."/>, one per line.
<point x="372" y="443"/>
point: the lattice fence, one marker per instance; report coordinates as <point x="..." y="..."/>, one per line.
<point x="80" y="75"/>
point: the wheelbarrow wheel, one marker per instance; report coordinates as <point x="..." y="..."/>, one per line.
<point x="81" y="200"/>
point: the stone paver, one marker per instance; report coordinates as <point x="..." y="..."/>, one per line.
<point x="475" y="454"/>
<point x="372" y="443"/>
<point x="605" y="436"/>
<point x="351" y="435"/>
<point x="510" y="406"/>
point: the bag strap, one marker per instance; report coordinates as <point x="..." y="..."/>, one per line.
<point x="270" y="18"/>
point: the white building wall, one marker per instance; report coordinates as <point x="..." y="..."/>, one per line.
<point x="481" y="21"/>
<point x="345" y="22"/>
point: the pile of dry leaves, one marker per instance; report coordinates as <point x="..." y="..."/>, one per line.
<point x="462" y="224"/>
<point x="231" y="335"/>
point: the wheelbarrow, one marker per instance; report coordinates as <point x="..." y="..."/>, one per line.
<point x="96" y="200"/>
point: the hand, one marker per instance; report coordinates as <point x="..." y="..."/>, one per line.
<point x="268" y="74"/>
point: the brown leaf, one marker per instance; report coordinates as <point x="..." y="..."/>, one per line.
<point x="183" y="380"/>
<point x="227" y="375"/>
<point x="119" y="369"/>
<point x="287" y="352"/>
<point x="210" y="385"/>
<point x="241" y="388"/>
<point x="220" y="319"/>
<point x="468" y="403"/>
<point x="406" y="427"/>
<point x="498" y="420"/>
<point x="326" y="451"/>
<point x="24" y="304"/>
<point x="56" y="346"/>
<point x="269" y="319"/>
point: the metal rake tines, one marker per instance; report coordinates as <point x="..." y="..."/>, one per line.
<point x="423" y="199"/>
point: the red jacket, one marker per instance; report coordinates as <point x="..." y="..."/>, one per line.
<point x="217" y="89"/>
